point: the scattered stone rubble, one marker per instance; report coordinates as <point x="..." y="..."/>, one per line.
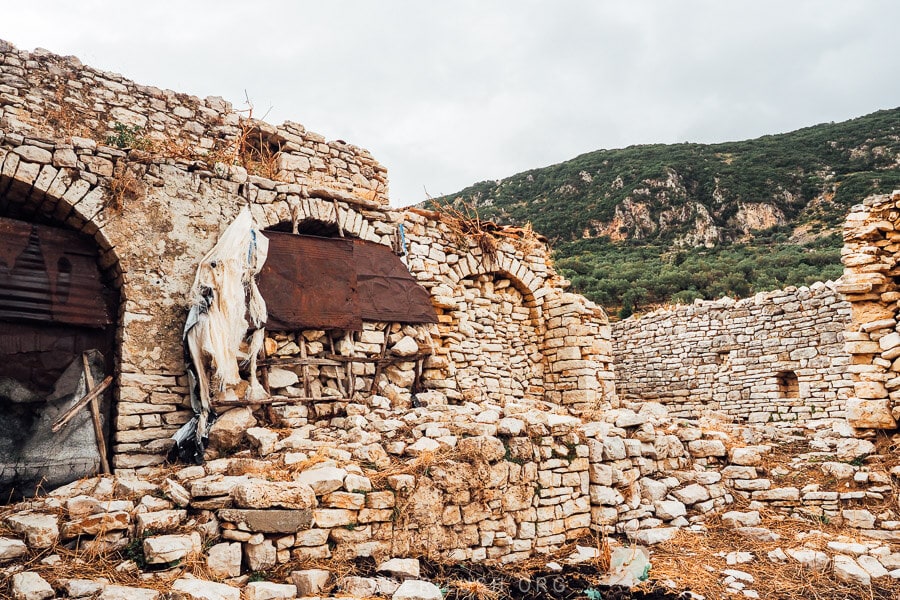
<point x="470" y="482"/>
<point x="494" y="435"/>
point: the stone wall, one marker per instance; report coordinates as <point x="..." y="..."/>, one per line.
<point x="871" y="246"/>
<point x="778" y="356"/>
<point x="49" y="96"/>
<point x="158" y="204"/>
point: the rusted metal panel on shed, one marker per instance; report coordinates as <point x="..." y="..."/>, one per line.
<point x="49" y="275"/>
<point x="387" y="290"/>
<point x="309" y="283"/>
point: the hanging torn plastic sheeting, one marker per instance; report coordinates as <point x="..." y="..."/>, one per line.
<point x="223" y="294"/>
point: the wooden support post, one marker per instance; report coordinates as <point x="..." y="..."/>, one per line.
<point x="378" y="366"/>
<point x="304" y="368"/>
<point x="95" y="414"/>
<point x="351" y="380"/>
<point x="340" y="384"/>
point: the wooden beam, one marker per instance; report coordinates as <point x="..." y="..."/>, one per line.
<point x="95" y="414"/>
<point x="69" y="414"/>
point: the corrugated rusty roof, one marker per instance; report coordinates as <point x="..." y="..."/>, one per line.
<point x="311" y="282"/>
<point x="49" y="274"/>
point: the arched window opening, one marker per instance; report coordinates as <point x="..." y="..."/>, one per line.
<point x="788" y="385"/>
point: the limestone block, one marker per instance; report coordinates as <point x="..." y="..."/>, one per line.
<point x="692" y="494"/>
<point x="323" y="480"/>
<point x="613" y="448"/>
<point x="270" y="520"/>
<point x="334" y="517"/>
<point x="11" y="548"/>
<point x="871" y="565"/>
<point x="650" y="537"/>
<point x="159" y="521"/>
<point x="224" y="560"/>
<point x="811" y="559"/>
<point x="741" y="519"/>
<point x="198" y="589"/>
<point x="414" y="589"/>
<point x="747" y="456"/>
<point x="169" y="548"/>
<point x="96" y="524"/>
<point x="852" y="449"/>
<point x="266" y="590"/>
<point x="83" y="588"/>
<point x="401" y="568"/>
<point x="228" y="430"/>
<point x="40" y="530"/>
<point x="669" y="509"/>
<point x="870" y="390"/>
<point x="423" y="444"/>
<point x="870" y="413"/>
<point x="606" y="496"/>
<point x="847" y="569"/>
<point x="407" y="346"/>
<point x="260" y="557"/>
<point x="34" y="154"/>
<point x="263" y="439"/>
<point x="786" y="494"/>
<point x="486" y="447"/>
<point x="260" y="493"/>
<point x="858" y="518"/>
<point x="310" y="582"/>
<point x="28" y="585"/>
<point x="121" y="592"/>
<point x="707" y="448"/>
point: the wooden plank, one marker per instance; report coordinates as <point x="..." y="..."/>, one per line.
<point x="69" y="414"/>
<point x="279" y="400"/>
<point x="95" y="414"/>
<point x="379" y="365"/>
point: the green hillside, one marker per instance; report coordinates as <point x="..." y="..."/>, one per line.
<point x="650" y="224"/>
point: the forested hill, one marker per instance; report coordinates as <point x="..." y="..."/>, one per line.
<point x="650" y="224"/>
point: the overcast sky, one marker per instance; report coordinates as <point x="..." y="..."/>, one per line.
<point x="446" y="94"/>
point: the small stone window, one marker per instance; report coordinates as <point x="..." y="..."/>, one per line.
<point x="788" y="385"/>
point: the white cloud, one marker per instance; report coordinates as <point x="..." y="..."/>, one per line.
<point x="446" y="94"/>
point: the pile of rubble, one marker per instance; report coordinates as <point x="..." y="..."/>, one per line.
<point x="470" y="482"/>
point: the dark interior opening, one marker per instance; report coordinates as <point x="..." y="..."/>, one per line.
<point x="788" y="384"/>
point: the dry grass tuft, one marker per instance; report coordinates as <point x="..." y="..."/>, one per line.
<point x="124" y="186"/>
<point x="473" y="590"/>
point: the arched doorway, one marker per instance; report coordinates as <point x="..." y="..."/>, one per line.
<point x="58" y="316"/>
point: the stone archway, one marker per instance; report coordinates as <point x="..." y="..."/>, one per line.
<point x="60" y="302"/>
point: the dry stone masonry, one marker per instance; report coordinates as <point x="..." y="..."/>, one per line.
<point x="870" y="284"/>
<point x="494" y="434"/>
<point x="778" y="356"/>
<point x="155" y="206"/>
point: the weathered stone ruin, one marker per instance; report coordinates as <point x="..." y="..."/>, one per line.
<point x="870" y="285"/>
<point x="430" y="388"/>
<point x="778" y="356"/>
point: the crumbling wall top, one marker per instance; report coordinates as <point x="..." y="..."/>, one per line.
<point x="57" y="98"/>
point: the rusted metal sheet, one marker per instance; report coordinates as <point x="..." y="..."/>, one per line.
<point x="387" y="290"/>
<point x="49" y="275"/>
<point x="312" y="282"/>
<point x="309" y="283"/>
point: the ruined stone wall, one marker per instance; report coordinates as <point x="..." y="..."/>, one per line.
<point x="778" y="356"/>
<point x="871" y="246"/>
<point x="48" y="96"/>
<point x="154" y="212"/>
